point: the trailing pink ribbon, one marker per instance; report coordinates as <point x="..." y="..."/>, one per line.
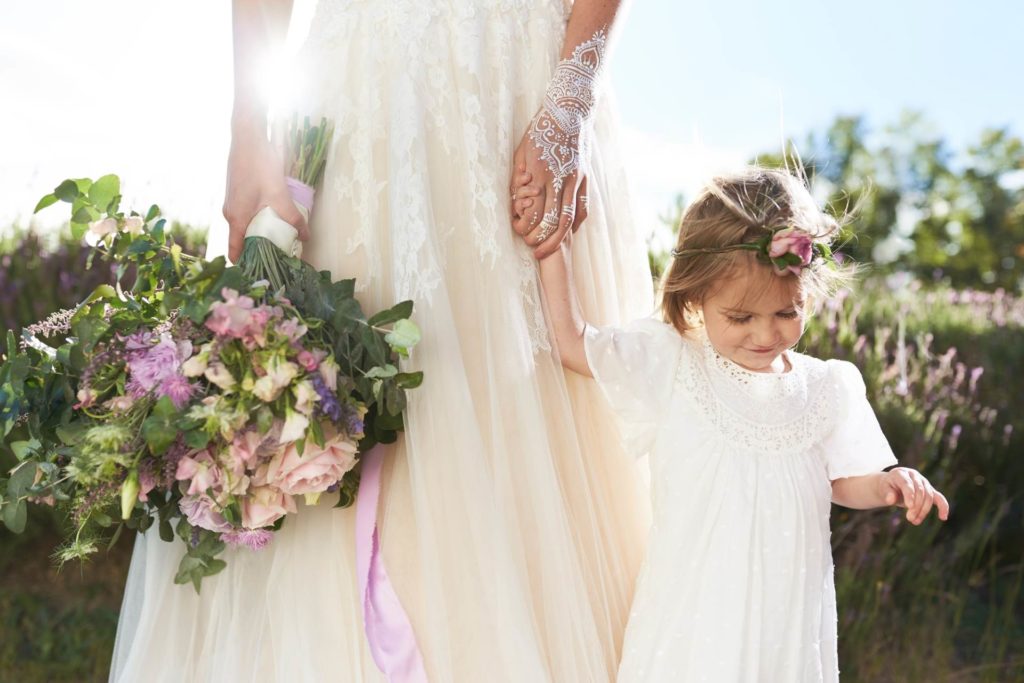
<point x="390" y="635"/>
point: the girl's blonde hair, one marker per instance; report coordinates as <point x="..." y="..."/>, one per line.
<point x="739" y="209"/>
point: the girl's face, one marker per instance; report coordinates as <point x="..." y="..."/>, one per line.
<point x="754" y="315"/>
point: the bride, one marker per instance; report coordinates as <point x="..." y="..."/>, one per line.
<point x="511" y="525"/>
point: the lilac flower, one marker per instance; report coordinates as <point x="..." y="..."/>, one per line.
<point x="254" y="539"/>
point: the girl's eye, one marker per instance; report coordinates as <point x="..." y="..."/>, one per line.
<point x="739" y="320"/>
<point x="790" y="315"/>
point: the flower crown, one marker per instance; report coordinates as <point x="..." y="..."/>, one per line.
<point x="789" y="250"/>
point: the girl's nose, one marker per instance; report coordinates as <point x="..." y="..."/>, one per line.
<point x="766" y="333"/>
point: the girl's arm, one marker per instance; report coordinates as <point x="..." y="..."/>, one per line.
<point x="900" y="486"/>
<point x="565" y="318"/>
<point x="255" y="176"/>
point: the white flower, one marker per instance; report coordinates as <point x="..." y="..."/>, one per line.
<point x="305" y="396"/>
<point x="294" y="427"/>
<point x="217" y="373"/>
<point x="195" y="366"/>
<point x="329" y="371"/>
<point x="134" y="225"/>
<point x="103" y="227"/>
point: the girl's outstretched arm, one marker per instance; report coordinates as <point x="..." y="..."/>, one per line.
<point x="900" y="486"/>
<point x="565" y="319"/>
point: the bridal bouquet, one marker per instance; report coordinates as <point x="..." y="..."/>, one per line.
<point x="196" y="398"/>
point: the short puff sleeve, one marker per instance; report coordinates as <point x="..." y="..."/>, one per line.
<point x="856" y="445"/>
<point x="635" y="367"/>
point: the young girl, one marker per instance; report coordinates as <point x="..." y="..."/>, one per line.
<point x="750" y="442"/>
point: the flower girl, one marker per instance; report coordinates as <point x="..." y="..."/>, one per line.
<point x="750" y="442"/>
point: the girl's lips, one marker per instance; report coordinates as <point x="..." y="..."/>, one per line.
<point x="767" y="350"/>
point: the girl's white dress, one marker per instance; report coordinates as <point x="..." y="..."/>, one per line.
<point x="737" y="583"/>
<point x="513" y="525"/>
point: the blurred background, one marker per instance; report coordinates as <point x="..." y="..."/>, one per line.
<point x="909" y="111"/>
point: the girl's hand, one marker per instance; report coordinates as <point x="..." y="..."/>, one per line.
<point x="255" y="179"/>
<point x="909" y="488"/>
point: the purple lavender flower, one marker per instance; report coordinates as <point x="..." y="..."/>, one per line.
<point x="254" y="539"/>
<point x="328" y="404"/>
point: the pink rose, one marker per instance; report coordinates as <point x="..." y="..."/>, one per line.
<point x="315" y="470"/>
<point x="265" y="505"/>
<point x="792" y="241"/>
<point x="202" y="512"/>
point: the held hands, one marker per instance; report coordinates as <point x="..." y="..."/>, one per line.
<point x="255" y="179"/>
<point x="910" y="489"/>
<point x="553" y="152"/>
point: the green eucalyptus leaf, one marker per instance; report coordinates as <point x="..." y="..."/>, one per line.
<point x="15" y="516"/>
<point x="403" y="336"/>
<point x="397" y="312"/>
<point x="409" y="380"/>
<point x="67" y="191"/>
<point x="46" y="201"/>
<point x="104" y="190"/>
<point x="382" y="372"/>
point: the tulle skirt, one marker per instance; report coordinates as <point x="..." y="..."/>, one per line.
<point x="512" y="525"/>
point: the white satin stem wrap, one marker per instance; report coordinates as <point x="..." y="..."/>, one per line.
<point x="283" y="234"/>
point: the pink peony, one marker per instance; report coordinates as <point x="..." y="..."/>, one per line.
<point x="231" y="317"/>
<point x="265" y="505"/>
<point x="316" y="470"/>
<point x="202" y="512"/>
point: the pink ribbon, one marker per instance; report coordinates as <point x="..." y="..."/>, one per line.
<point x="300" y="192"/>
<point x="390" y="635"/>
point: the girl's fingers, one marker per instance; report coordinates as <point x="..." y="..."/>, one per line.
<point x="906" y="489"/>
<point x="926" y="505"/>
<point x="943" y="505"/>
<point x="530" y="217"/>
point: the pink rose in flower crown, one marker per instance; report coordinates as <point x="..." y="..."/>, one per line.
<point x="316" y="470"/>
<point x="264" y="505"/>
<point x="792" y="241"/>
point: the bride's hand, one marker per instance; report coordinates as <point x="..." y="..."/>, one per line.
<point x="544" y="217"/>
<point x="255" y="179"/>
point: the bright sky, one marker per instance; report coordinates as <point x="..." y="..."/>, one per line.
<point x="143" y="88"/>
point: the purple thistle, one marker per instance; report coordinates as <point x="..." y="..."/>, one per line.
<point x="254" y="539"/>
<point x="178" y="389"/>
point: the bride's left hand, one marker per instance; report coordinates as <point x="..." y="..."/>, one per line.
<point x="543" y="216"/>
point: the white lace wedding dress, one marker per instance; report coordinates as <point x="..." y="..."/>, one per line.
<point x="512" y="525"/>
